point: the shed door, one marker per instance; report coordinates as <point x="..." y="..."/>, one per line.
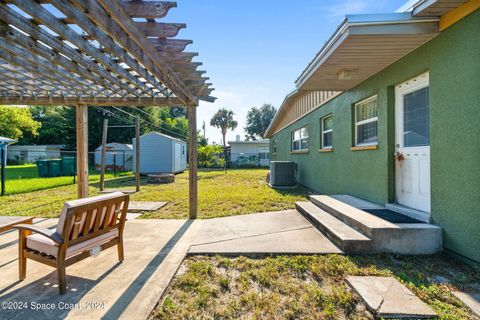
<point x="413" y="143"/>
<point x="177" y="157"/>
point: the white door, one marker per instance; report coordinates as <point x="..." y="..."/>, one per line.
<point x="178" y="157"/>
<point x="413" y="143"/>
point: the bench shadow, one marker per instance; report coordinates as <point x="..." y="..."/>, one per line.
<point x="44" y="291"/>
<point x="136" y="286"/>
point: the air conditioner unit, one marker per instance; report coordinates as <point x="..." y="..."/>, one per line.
<point x="282" y="173"/>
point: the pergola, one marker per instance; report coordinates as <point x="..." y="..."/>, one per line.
<point x="99" y="53"/>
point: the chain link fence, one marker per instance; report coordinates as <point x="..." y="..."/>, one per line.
<point x="36" y="168"/>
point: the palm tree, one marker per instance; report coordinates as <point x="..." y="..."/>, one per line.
<point x="223" y="119"/>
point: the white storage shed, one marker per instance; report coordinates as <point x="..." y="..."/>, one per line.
<point x="119" y="155"/>
<point x="160" y="153"/>
<point x="30" y="153"/>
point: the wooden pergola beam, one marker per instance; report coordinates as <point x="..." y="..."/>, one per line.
<point x="148" y="9"/>
<point x="99" y="101"/>
<point x="159" y="29"/>
<point x="109" y="45"/>
<point x="170" y="45"/>
<point x="35" y="32"/>
<point x="167" y="76"/>
<point x="39" y="13"/>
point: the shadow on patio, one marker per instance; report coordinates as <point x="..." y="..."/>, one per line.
<point x="99" y="287"/>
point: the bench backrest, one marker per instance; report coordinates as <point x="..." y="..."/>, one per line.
<point x="88" y="218"/>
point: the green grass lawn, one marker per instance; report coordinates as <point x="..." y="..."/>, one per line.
<point x="24" y="179"/>
<point x="306" y="287"/>
<point x="239" y="191"/>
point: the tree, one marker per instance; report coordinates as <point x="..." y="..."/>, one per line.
<point x="201" y="140"/>
<point x="223" y="119"/>
<point x="258" y="120"/>
<point x="16" y="121"/>
<point x="54" y="126"/>
<point x="58" y="124"/>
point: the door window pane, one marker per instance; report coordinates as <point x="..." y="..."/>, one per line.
<point x="415" y="118"/>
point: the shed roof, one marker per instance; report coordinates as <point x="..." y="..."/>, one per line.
<point x="4" y="140"/>
<point x="160" y="135"/>
<point x="103" y="52"/>
<point x="117" y="146"/>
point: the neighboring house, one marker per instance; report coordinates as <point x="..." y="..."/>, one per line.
<point x="389" y="111"/>
<point x="118" y="155"/>
<point x="4" y="142"/>
<point x="18" y="154"/>
<point x="248" y="153"/>
<point x="160" y="153"/>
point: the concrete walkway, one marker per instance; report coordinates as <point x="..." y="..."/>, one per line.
<point x="260" y="234"/>
<point x="100" y="287"/>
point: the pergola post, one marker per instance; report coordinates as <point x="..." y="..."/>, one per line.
<point x="82" y="150"/>
<point x="192" y="155"/>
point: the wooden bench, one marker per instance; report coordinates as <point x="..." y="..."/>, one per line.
<point x="8" y="222"/>
<point x="86" y="227"/>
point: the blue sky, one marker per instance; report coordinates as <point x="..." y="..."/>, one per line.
<point x="253" y="50"/>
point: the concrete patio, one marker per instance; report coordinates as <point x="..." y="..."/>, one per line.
<point x="100" y="287"/>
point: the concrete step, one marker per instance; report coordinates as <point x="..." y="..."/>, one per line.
<point x="399" y="238"/>
<point x="356" y="218"/>
<point x="343" y="236"/>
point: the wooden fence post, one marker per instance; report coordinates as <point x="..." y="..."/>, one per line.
<point x="104" y="154"/>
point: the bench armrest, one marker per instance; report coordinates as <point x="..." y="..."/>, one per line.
<point x="52" y="235"/>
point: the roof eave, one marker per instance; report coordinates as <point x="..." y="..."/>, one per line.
<point x="393" y="22"/>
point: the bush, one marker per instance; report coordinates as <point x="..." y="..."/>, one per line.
<point x="210" y="156"/>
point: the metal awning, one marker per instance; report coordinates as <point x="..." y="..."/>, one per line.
<point x="364" y="45"/>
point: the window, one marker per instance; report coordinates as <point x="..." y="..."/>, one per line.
<point x="263" y="156"/>
<point x="274" y="146"/>
<point x="300" y="139"/>
<point x="327" y="132"/>
<point x="366" y="122"/>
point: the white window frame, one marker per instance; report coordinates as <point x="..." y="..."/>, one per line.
<point x="359" y="123"/>
<point x="274" y="146"/>
<point x="322" y="125"/>
<point x="300" y="140"/>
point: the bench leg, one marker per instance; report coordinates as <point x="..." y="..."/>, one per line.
<point x="62" y="278"/>
<point x="22" y="261"/>
<point x="120" y="250"/>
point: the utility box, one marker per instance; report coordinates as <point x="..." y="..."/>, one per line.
<point x="282" y="173"/>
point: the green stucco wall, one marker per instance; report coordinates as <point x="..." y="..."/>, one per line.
<point x="453" y="61"/>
